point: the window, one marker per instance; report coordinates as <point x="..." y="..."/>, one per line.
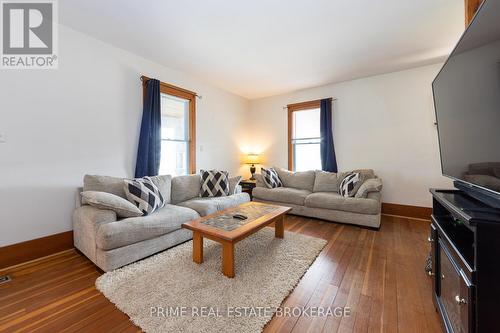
<point x="177" y="130"/>
<point x="304" y="136"/>
<point x="174" y="136"/>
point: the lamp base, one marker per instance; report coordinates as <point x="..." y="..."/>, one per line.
<point x="252" y="171"/>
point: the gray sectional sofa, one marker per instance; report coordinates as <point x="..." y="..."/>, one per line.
<point x="111" y="242"/>
<point x="315" y="194"/>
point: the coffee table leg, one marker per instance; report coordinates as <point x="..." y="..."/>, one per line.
<point x="197" y="247"/>
<point x="228" y="259"/>
<point x="279" y="227"/>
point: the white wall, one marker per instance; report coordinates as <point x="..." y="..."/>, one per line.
<point x="85" y="118"/>
<point x="384" y="122"/>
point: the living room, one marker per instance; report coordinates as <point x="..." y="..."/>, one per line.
<point x="246" y="166"/>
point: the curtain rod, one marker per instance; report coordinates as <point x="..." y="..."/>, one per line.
<point x="144" y="79"/>
<point x="332" y="98"/>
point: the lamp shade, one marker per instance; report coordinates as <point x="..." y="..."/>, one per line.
<point x="252" y="159"/>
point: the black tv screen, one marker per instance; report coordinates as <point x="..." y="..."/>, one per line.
<point x="467" y="104"/>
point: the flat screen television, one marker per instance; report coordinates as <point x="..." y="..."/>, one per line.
<point x="467" y="104"/>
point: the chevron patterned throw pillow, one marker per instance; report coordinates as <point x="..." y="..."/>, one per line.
<point x="350" y="184"/>
<point x="271" y="178"/>
<point x="214" y="183"/>
<point x="143" y="193"/>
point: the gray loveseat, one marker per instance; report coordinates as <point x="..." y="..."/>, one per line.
<point x="111" y="242"/>
<point x="315" y="194"/>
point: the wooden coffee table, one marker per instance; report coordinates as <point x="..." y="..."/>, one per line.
<point x="217" y="227"/>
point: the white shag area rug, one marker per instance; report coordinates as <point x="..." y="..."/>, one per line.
<point x="170" y="293"/>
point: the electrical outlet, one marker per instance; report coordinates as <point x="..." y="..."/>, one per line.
<point x="3" y="138"/>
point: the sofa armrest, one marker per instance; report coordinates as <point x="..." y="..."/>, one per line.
<point x="369" y="186"/>
<point x="86" y="222"/>
<point x="375" y="196"/>
<point x="78" y="197"/>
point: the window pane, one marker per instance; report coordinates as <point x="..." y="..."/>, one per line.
<point x="174" y="118"/>
<point x="306" y="124"/>
<point x="306" y="139"/>
<point x="307" y="156"/>
<point x="174" y="158"/>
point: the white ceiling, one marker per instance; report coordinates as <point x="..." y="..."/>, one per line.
<point x="258" y="48"/>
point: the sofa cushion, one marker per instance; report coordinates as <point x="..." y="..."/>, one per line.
<point x="326" y="181"/>
<point x="234" y="182"/>
<point x="281" y="194"/>
<point x="103" y="200"/>
<point x="164" y="184"/>
<point x="330" y="200"/>
<point x="136" y="229"/>
<point x="366" y="173"/>
<point x="206" y="206"/>
<point x="185" y="188"/>
<point x="113" y="185"/>
<point x="303" y="180"/>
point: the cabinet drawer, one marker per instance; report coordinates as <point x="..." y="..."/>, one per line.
<point x="456" y="292"/>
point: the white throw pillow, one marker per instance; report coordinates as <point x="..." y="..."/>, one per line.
<point x="103" y="200"/>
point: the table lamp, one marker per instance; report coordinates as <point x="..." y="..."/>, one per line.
<point x="252" y="159"/>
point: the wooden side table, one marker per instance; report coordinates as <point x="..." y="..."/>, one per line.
<point x="247" y="185"/>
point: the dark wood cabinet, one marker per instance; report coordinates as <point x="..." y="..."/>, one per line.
<point x="465" y="250"/>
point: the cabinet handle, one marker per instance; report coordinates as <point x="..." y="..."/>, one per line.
<point x="430" y="240"/>
<point x="430" y="273"/>
<point x="459" y="300"/>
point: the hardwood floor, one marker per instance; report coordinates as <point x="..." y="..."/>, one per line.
<point x="379" y="275"/>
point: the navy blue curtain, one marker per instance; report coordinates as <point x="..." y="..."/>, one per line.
<point x="328" y="159"/>
<point x="148" y="153"/>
